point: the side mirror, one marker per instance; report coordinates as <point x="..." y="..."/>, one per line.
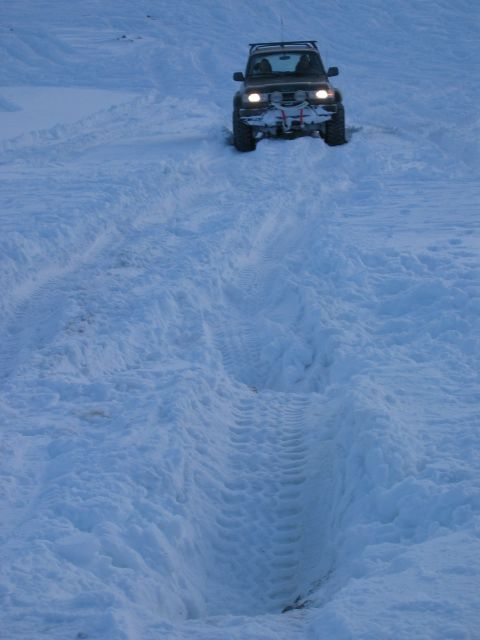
<point x="332" y="71"/>
<point x="238" y="76"/>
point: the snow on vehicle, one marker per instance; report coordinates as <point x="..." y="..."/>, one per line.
<point x="286" y="91"/>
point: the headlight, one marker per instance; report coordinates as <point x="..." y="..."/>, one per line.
<point x="322" y="94"/>
<point x="254" y="97"/>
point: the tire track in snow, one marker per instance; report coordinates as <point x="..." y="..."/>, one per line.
<point x="262" y="536"/>
<point x="39" y="305"/>
<point x="258" y="528"/>
<point x="241" y="348"/>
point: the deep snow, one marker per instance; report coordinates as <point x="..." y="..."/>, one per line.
<point x="235" y="385"/>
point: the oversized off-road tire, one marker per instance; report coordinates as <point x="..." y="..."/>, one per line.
<point x="335" y="128"/>
<point x="243" y="137"/>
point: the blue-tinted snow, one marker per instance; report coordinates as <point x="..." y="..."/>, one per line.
<point x="234" y="384"/>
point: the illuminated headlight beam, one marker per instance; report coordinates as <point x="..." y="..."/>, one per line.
<point x="322" y="94"/>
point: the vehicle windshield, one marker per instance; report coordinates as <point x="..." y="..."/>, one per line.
<point x="299" y="63"/>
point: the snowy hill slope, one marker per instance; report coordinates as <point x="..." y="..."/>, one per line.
<point x="238" y="393"/>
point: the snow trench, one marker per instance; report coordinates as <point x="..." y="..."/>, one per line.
<point x="268" y="537"/>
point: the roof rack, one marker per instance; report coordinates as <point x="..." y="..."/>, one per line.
<point x="309" y="44"/>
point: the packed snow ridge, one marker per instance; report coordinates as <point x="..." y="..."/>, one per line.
<point x="239" y="393"/>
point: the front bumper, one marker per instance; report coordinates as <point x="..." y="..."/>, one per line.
<point x="299" y="117"/>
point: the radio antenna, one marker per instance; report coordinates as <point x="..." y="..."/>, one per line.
<point x="281" y="30"/>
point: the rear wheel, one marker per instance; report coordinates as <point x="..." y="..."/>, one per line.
<point x="335" y="128"/>
<point x="243" y="137"/>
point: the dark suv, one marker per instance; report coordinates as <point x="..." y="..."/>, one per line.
<point x="286" y="91"/>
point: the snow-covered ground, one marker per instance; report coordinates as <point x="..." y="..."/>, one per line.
<point x="27" y="109"/>
<point x="239" y="393"/>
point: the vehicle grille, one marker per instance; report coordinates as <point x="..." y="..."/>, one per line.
<point x="288" y="98"/>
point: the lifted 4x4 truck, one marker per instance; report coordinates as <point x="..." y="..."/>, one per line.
<point x="286" y="91"/>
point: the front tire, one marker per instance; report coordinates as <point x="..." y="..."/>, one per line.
<point x="243" y="137"/>
<point x="335" y="128"/>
